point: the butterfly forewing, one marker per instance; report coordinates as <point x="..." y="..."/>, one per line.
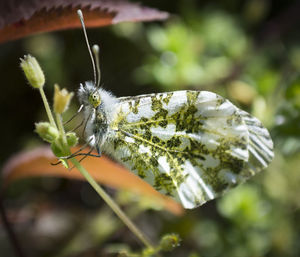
<point x="190" y="145"/>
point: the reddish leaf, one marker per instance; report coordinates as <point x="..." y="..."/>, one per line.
<point x="36" y="163"/>
<point x="19" y="18"/>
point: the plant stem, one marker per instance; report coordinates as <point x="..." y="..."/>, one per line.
<point x="61" y="128"/>
<point x="112" y="204"/>
<point x="47" y="107"/>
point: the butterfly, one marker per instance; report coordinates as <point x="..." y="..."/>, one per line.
<point x="190" y="145"/>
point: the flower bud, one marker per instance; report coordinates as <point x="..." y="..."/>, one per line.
<point x="33" y="71"/>
<point x="169" y="242"/>
<point x="46" y="131"/>
<point x="72" y="139"/>
<point x="62" y="99"/>
<point x="57" y="148"/>
<point x="59" y="152"/>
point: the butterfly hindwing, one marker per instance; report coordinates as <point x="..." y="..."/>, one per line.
<point x="260" y="145"/>
<point x="191" y="145"/>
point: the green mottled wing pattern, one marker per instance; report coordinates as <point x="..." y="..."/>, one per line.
<point x="191" y="145"/>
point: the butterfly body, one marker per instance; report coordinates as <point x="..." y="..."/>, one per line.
<point x="191" y="145"/>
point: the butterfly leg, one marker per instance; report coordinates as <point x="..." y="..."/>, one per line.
<point x="97" y="147"/>
<point x="73" y="154"/>
<point x="78" y="111"/>
<point x="86" y="155"/>
<point x="98" y="150"/>
<point x="89" y="153"/>
<point x="78" y="152"/>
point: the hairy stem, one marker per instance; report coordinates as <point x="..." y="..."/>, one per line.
<point x="47" y="107"/>
<point x="112" y="204"/>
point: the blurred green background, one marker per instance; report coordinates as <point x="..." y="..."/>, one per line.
<point x="247" y="51"/>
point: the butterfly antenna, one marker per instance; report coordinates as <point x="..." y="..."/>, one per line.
<point x="80" y="15"/>
<point x="95" y="49"/>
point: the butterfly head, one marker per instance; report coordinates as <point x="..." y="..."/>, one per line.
<point x="95" y="99"/>
<point x="89" y="96"/>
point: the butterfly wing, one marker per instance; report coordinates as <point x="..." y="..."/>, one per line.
<point x="260" y="145"/>
<point x="191" y="145"/>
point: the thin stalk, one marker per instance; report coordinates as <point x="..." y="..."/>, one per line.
<point x="61" y="128"/>
<point x="112" y="204"/>
<point x="47" y="107"/>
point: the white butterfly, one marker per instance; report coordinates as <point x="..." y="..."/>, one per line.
<point x="190" y="145"/>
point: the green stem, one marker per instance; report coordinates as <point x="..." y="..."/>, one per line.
<point x="112" y="204"/>
<point x="61" y="129"/>
<point x="47" y="107"/>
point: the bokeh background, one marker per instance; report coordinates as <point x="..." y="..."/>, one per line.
<point x="247" y="51"/>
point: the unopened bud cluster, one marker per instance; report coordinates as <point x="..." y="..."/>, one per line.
<point x="48" y="131"/>
<point x="51" y="135"/>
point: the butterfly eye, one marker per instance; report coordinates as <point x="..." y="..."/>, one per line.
<point x="94" y="99"/>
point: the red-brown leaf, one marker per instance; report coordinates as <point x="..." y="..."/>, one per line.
<point x="36" y="163"/>
<point x="19" y="18"/>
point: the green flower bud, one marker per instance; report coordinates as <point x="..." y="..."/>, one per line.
<point x="62" y="99"/>
<point x="46" y="131"/>
<point x="33" y="71"/>
<point x="72" y="139"/>
<point x="169" y="242"/>
<point x="56" y="148"/>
